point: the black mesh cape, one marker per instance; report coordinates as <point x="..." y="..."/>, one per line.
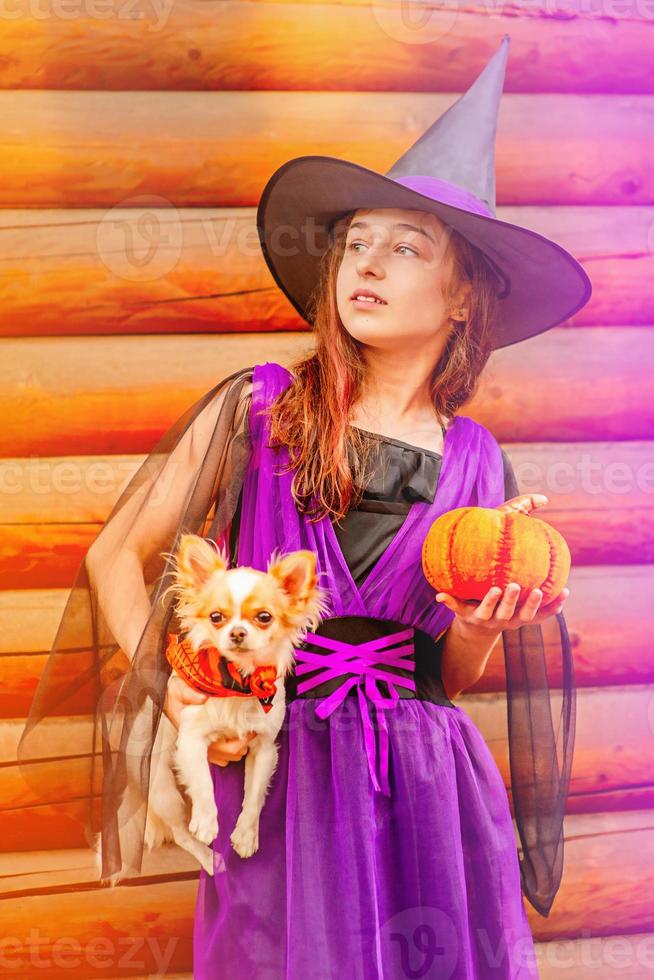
<point x="107" y="660"/>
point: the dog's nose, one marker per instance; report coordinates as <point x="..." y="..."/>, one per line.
<point x="238" y="634"/>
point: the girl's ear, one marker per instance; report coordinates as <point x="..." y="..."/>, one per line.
<point x="197" y="559"/>
<point x="458" y="308"/>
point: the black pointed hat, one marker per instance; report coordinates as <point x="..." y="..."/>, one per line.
<point x="450" y="172"/>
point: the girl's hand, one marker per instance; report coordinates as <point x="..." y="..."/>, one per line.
<point x="225" y="750"/>
<point x="487" y="617"/>
<point x="178" y="695"/>
<point x="222" y="750"/>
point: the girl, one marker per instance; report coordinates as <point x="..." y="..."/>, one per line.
<point x="387" y="848"/>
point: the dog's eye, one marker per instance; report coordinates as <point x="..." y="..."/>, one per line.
<point x="264" y="617"/>
<point x="216" y="617"/>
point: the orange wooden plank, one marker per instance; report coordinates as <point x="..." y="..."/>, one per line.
<point x="102" y="149"/>
<point x="607" y="890"/>
<point x="275" y="45"/>
<point x="72" y="396"/>
<point x="144" y="267"/>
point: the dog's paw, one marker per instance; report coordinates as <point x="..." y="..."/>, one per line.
<point x="205" y="858"/>
<point x="204" y="824"/>
<point x="245" y="837"/>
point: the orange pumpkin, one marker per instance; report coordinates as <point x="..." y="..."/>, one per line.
<point x="469" y="550"/>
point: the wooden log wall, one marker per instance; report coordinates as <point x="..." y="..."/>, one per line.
<point x="134" y="153"/>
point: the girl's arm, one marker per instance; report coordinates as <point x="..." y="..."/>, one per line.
<point x="464" y="657"/>
<point x="126" y="620"/>
<point x="144" y="527"/>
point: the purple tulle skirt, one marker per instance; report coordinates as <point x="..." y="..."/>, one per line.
<point x="350" y="883"/>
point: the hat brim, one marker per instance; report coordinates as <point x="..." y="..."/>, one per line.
<point x="543" y="284"/>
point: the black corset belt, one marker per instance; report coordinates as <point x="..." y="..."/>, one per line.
<point x="381" y="661"/>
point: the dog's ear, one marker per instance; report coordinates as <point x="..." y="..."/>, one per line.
<point x="197" y="560"/>
<point x="296" y="573"/>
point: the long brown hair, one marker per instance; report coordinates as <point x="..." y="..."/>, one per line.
<point x="311" y="416"/>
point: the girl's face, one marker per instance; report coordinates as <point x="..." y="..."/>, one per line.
<point x="400" y="256"/>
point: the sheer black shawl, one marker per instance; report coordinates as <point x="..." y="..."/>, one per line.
<point x="107" y="661"/>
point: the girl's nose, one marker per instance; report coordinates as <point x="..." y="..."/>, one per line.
<point x="370" y="262"/>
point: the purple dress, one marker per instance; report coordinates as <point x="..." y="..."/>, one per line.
<point x="369" y="867"/>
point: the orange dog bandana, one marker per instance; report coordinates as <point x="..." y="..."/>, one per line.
<point x="208" y="671"/>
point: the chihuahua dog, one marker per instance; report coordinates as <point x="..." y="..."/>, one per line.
<point x="239" y="627"/>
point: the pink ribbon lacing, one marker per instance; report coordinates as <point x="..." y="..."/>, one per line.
<point x="363" y="660"/>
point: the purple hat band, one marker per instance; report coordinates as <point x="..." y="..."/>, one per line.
<point x="445" y="193"/>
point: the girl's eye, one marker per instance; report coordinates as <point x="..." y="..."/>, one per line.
<point x="216" y="618"/>
<point x="264" y="617"/>
<point x="353" y="246"/>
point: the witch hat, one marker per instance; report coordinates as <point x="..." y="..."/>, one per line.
<point x="449" y="172"/>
